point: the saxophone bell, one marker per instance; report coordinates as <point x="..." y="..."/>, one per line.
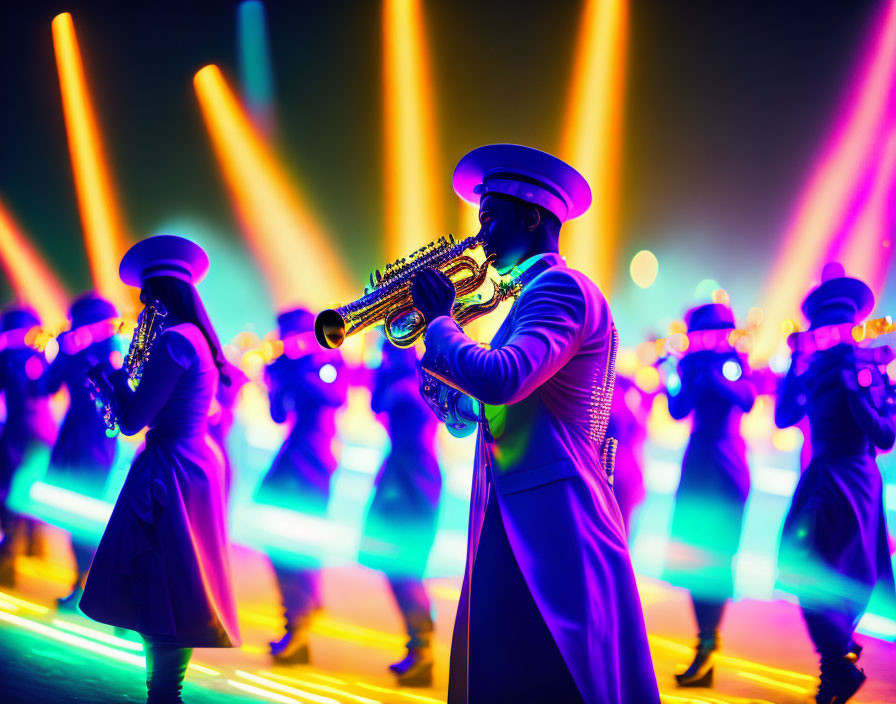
<point x="329" y="329"/>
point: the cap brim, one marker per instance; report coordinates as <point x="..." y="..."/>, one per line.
<point x="845" y="287"/>
<point x="164" y="255"/>
<point x="535" y="164"/>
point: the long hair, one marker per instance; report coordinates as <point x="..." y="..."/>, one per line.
<point x="183" y="303"/>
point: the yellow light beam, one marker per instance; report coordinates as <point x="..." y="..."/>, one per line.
<point x="30" y="277"/>
<point x="413" y="212"/>
<point x="592" y="138"/>
<point x="104" y="232"/>
<point x="300" y="266"/>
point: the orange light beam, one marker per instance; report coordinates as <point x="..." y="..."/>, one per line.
<point x="592" y="139"/>
<point x="32" y="280"/>
<point x="104" y="232"/>
<point x="825" y="201"/>
<point x="300" y="266"/>
<point x="413" y="212"/>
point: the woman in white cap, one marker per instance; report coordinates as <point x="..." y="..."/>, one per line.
<point x="834" y="548"/>
<point x="162" y="567"/>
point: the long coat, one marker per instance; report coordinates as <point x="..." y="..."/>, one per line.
<point x="162" y="567"/>
<point x="306" y="398"/>
<point x="715" y="478"/>
<point x="539" y="380"/>
<point x="83" y="453"/>
<point x="401" y="522"/>
<point x="834" y="547"/>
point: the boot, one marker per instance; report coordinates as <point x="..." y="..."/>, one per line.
<point x="70" y="603"/>
<point x="700" y="671"/>
<point x="415" y="670"/>
<point x="840" y="680"/>
<point x="292" y="648"/>
<point x="165" y="669"/>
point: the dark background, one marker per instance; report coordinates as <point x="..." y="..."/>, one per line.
<point x="727" y="106"/>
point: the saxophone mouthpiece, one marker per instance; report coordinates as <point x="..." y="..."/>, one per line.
<point x="329" y="329"/>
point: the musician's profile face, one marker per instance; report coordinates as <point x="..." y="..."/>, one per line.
<point x="503" y="228"/>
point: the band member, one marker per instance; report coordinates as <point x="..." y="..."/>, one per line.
<point x="83" y="454"/>
<point x="549" y="608"/>
<point x="834" y="541"/>
<point x="162" y="566"/>
<point x="628" y="419"/>
<point x="306" y="386"/>
<point x="715" y="481"/>
<point x="401" y="521"/>
<point x="28" y="422"/>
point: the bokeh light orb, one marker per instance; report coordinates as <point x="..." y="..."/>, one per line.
<point x="703" y="292"/>
<point x="644" y="268"/>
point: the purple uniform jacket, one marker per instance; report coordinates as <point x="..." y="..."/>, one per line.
<point x="538" y="380"/>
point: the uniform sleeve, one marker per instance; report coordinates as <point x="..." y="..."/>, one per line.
<point x="790" y="405"/>
<point x="546" y="332"/>
<point x="169" y="357"/>
<point x="878" y="425"/>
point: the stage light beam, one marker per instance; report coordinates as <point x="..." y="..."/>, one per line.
<point x="413" y="213"/>
<point x="825" y="202"/>
<point x="256" y="75"/>
<point x="301" y="267"/>
<point x="593" y="135"/>
<point x="32" y="280"/>
<point x="104" y="232"/>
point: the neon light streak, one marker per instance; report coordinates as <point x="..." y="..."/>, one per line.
<point x="71" y="639"/>
<point x="277" y="686"/>
<point x="256" y="76"/>
<point x="22" y="604"/>
<point x="824" y="203"/>
<point x="30" y="277"/>
<point x="97" y="635"/>
<point x="773" y="683"/>
<point x="386" y="690"/>
<point x="100" y="218"/>
<point x="323" y="688"/>
<point x="593" y="135"/>
<point x="867" y="250"/>
<point x="72" y="502"/>
<point x="204" y="669"/>
<point x="413" y="215"/>
<point x="291" y="249"/>
<point x="264" y="693"/>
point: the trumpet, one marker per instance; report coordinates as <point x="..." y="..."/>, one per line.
<point x="387" y="297"/>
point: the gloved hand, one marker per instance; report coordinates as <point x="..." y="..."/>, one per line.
<point x="432" y="293"/>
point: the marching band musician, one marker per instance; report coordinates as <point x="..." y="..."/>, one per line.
<point x="715" y="479"/>
<point x="162" y="566"/>
<point x="834" y="540"/>
<point x="28" y="421"/>
<point x="83" y="454"/>
<point x="401" y="522"/>
<point x="549" y="609"/>
<point x="306" y="385"/>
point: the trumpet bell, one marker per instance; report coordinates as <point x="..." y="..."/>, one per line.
<point x="329" y="329"/>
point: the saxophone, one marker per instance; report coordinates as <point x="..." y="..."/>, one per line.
<point x="150" y="325"/>
<point x="387" y="297"/>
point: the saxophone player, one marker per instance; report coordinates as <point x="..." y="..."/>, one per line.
<point x="162" y="566"/>
<point x="549" y="609"/>
<point x="834" y="548"/>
